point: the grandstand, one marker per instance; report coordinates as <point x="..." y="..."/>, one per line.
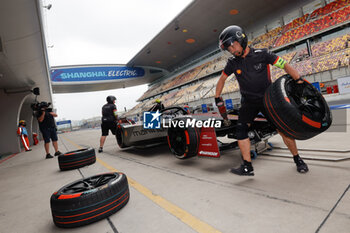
<point x="315" y="43"/>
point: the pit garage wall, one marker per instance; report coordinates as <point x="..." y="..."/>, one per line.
<point x="13" y="106"/>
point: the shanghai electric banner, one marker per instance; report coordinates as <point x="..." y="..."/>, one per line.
<point x="98" y="73"/>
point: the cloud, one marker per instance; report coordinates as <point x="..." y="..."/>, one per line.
<point x="102" y="32"/>
<point x="120" y="27"/>
<point x="80" y="106"/>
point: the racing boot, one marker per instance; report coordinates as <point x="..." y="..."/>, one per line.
<point x="246" y="169"/>
<point x="301" y="165"/>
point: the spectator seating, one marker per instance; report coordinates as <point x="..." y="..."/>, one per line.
<point x="295" y="23"/>
<point x="185" y="94"/>
<point x="317" y="25"/>
<point x="333" y="6"/>
<point x="325" y="47"/>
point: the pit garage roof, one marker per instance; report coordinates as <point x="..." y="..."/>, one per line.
<point x="23" y="58"/>
<point x="197" y="28"/>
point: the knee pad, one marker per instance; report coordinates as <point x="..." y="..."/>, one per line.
<point x="242" y="131"/>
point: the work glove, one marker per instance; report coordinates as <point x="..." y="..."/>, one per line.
<point x="222" y="110"/>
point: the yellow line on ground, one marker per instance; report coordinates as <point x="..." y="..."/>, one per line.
<point x="71" y="142"/>
<point x="181" y="214"/>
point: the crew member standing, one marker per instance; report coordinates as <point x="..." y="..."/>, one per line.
<point x="109" y="120"/>
<point x="251" y="68"/>
<point x="23" y="134"/>
<point x="47" y="126"/>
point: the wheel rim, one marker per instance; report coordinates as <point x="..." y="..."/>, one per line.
<point x="307" y="100"/>
<point x="177" y="140"/>
<point x="89" y="183"/>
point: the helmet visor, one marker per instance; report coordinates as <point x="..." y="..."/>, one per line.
<point x="224" y="44"/>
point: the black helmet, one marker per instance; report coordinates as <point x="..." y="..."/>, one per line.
<point x="231" y="34"/>
<point x="110" y="99"/>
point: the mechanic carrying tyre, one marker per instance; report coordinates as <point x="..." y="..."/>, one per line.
<point x="109" y="120"/>
<point x="251" y="68"/>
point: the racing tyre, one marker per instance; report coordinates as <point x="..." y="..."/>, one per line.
<point x="183" y="142"/>
<point x="88" y="200"/>
<point x="119" y="134"/>
<point x="297" y="110"/>
<point x="76" y="159"/>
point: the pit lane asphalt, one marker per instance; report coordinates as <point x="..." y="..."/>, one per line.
<point x="195" y="195"/>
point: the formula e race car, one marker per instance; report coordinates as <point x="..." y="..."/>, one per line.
<point x="133" y="134"/>
<point x="188" y="141"/>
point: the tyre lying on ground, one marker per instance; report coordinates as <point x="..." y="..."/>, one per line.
<point x="297" y="110"/>
<point x="76" y="159"/>
<point x="89" y="200"/>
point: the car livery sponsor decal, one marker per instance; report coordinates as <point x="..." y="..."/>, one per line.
<point x="208" y="153"/>
<point x="208" y="146"/>
<point x="146" y="131"/>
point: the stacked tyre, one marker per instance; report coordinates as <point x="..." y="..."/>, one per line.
<point x="297" y="110"/>
<point x="76" y="159"/>
<point x="89" y="200"/>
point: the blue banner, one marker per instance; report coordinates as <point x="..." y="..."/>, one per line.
<point x="317" y="85"/>
<point x="229" y="104"/>
<point x="63" y="122"/>
<point x="99" y="73"/>
<point x="204" y="108"/>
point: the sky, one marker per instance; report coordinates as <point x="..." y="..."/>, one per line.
<point x="102" y="32"/>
